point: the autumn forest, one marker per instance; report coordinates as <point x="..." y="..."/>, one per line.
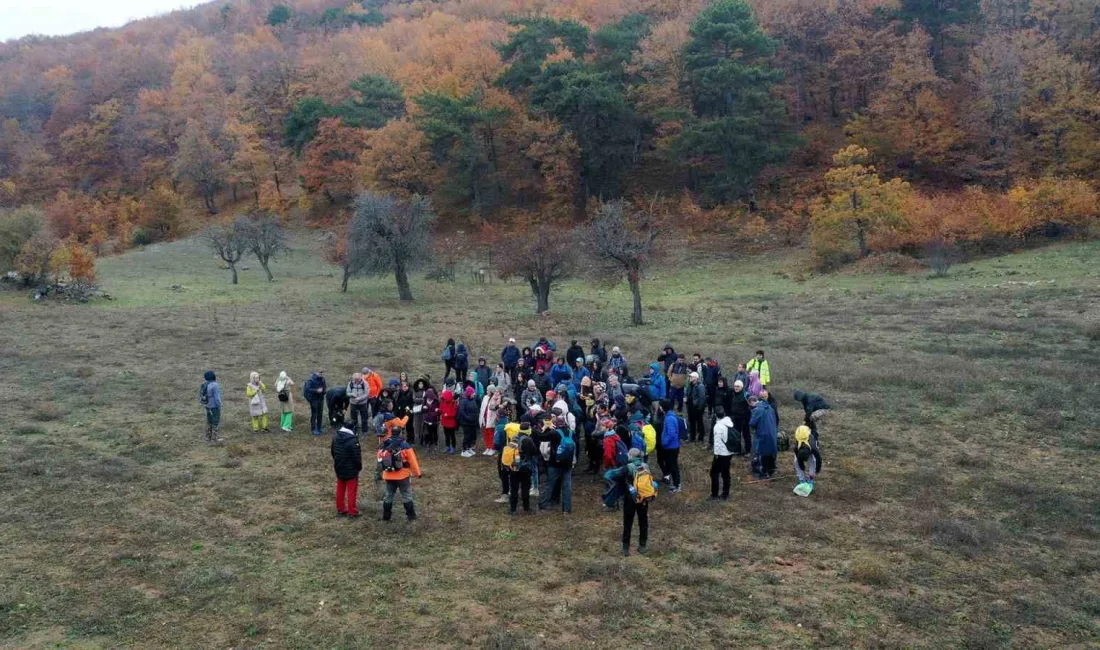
<point x="857" y="126"/>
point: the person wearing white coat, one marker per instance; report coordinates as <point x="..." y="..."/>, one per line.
<point x="722" y="455"/>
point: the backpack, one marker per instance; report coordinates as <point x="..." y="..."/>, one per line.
<point x="621" y="457"/>
<point x="447" y="354"/>
<point x="644" y="488"/>
<point x="391" y="459"/>
<point x="567" y="449"/>
<point x="650" y="435"/>
<point x="284" y="395"/>
<point x="637" y="441"/>
<point x="204" y="394"/>
<point x="510" y="457"/>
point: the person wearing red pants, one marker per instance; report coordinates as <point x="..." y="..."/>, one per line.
<point x="347" y="461"/>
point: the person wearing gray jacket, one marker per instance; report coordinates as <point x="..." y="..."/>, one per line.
<point x="359" y="397"/>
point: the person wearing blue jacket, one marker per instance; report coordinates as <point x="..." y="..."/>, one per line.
<point x="509" y="358"/>
<point x="559" y="372"/>
<point x="210" y="397"/>
<point x="579" y="373"/>
<point x="668" y="449"/>
<point x="765" y="439"/>
<point x="657" y="387"/>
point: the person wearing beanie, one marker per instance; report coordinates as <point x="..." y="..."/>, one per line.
<point x="468" y="411"/>
<point x="531" y="395"/>
<point x="347" y="462"/>
<point x="807" y="460"/>
<point x="740" y="413"/>
<point x="618" y="362"/>
<point x="429" y="413"/>
<point x="210" y="397"/>
<point x="448" y="418"/>
<point x="358" y="392"/>
<point x="509" y="357"/>
<point x="697" y="405"/>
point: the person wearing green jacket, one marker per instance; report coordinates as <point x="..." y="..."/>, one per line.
<point x="760" y="363"/>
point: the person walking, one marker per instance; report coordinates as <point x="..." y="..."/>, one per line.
<point x="285" y="395"/>
<point x="257" y="405"/>
<point x="358" y="393"/>
<point x="347" y="462"/>
<point x="399" y="465"/>
<point x="720" y="466"/>
<point x="448" y="357"/>
<point x="314" y="391"/>
<point x="210" y="397"/>
<point x="639" y="490"/>
<point x="697" y="404"/>
<point x="461" y="363"/>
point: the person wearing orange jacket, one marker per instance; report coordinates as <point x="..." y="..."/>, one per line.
<point x="397" y="460"/>
<point x="374" y="388"/>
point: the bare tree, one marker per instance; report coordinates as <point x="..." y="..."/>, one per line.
<point x="227" y="243"/>
<point x="388" y="235"/>
<point x="264" y="237"/>
<point x="541" y="254"/>
<point x="623" y="242"/>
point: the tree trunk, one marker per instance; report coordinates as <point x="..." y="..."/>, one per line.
<point x="636" y="289"/>
<point x="861" y="236"/>
<point x="344" y="281"/>
<point x="234" y="192"/>
<point x="542" y="297"/>
<point x="267" y="270"/>
<point x="233" y="268"/>
<point x="278" y="185"/>
<point x="402" y="277"/>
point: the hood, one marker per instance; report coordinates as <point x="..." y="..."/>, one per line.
<point x="461" y="347"/>
<point x="798" y="395"/>
<point x="430" y="394"/>
<point x="209" y="375"/>
<point x="668" y="348"/>
<point x="655" y="367"/>
<point x="346" y="431"/>
<point x="448" y="396"/>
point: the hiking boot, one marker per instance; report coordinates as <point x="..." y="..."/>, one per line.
<point x="341" y="514"/>
<point x="387" y="511"/>
<point x="626" y="551"/>
<point x="713" y="497"/>
<point x="642" y="550"/>
<point x="353" y="516"/>
<point x="410" y="511"/>
<point x="501" y="499"/>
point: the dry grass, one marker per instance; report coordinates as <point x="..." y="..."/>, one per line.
<point x="955" y="508"/>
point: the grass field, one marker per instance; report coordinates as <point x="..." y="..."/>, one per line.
<point x="957" y="507"/>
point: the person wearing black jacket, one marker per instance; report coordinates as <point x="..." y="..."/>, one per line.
<point x="448" y="356"/>
<point x="314" y="392"/>
<point x="519" y="479"/>
<point x="347" y="461"/>
<point x="573" y="353"/>
<point x="468" y="411"/>
<point x="338" y="402"/>
<point x="668" y="357"/>
<point x="815" y="407"/>
<point x="402" y="407"/>
<point x="598" y="353"/>
<point x="559" y="475"/>
<point x="740" y="412"/>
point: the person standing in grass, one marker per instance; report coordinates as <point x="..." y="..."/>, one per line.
<point x="210" y="396"/>
<point x="639" y="490"/>
<point x="461" y="363"/>
<point x="398" y="463"/>
<point x="668" y="453"/>
<point x="487" y="417"/>
<point x="283" y="392"/>
<point x="257" y="405"/>
<point x="468" y="412"/>
<point x="314" y="392"/>
<point x="741" y="413"/>
<point x="374" y="386"/>
<point x="448" y="418"/>
<point x="697" y="405"/>
<point x="765" y="442"/>
<point x="358" y="393"/>
<point x="677" y="380"/>
<point x="720" y="466"/>
<point x="430" y="413"/>
<point x="420" y="388"/>
<point x="347" y="461"/>
<point x="760" y="364"/>
<point x="559" y="462"/>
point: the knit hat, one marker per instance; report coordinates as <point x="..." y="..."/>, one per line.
<point x="512" y="340"/>
<point x="470" y="392"/>
<point x="694" y="375"/>
<point x="531" y="384"/>
<point x="551" y="395"/>
<point x="616" y="349"/>
<point x="492" y="388"/>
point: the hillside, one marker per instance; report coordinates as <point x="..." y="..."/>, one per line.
<point x="955" y="507"/>
<point x="500" y="110"/>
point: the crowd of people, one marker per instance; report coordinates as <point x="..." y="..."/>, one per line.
<point x="540" y="414"/>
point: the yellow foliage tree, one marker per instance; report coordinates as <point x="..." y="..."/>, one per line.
<point x="859" y="206"/>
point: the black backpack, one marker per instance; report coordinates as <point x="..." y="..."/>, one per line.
<point x="391" y="459"/>
<point x="204" y="393"/>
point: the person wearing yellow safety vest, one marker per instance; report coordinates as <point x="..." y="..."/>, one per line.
<point x="761" y="364"/>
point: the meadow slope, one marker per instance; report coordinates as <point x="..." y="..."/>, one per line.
<point x="957" y="506"/>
